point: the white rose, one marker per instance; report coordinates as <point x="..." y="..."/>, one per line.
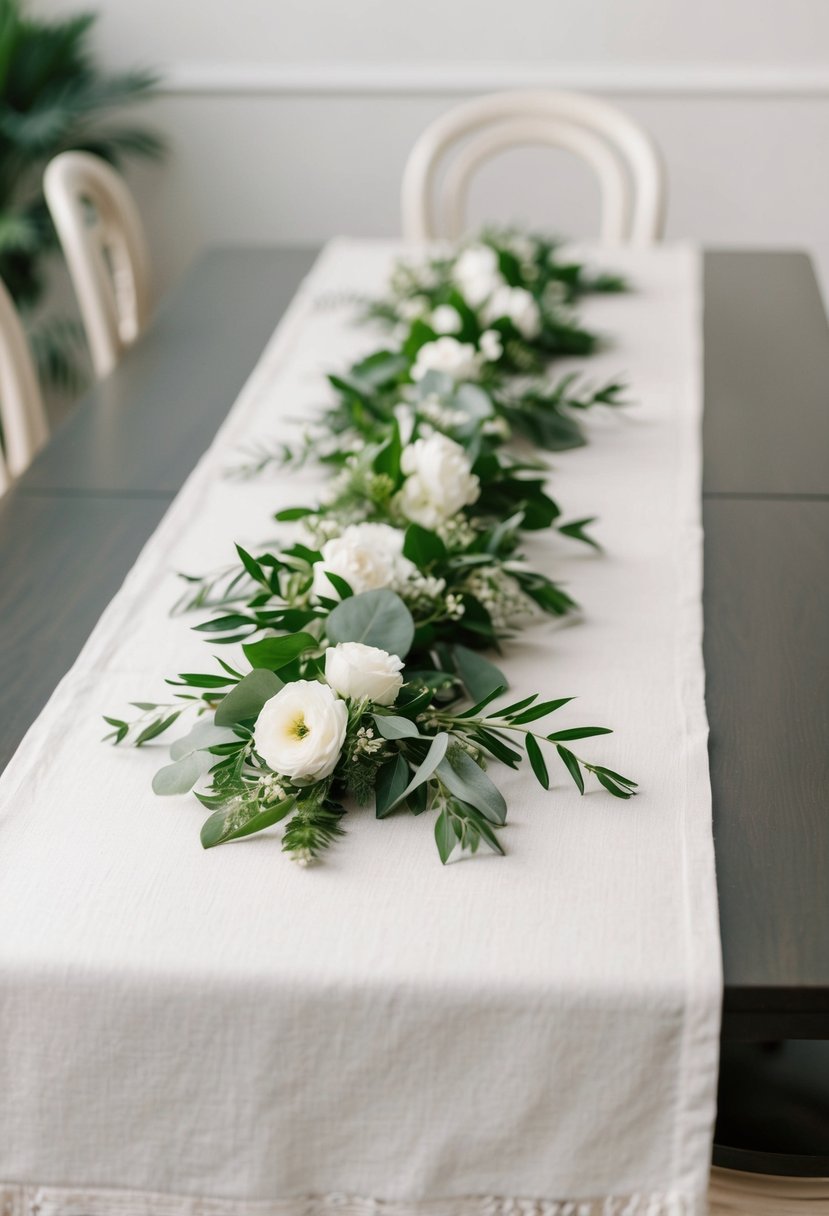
<point x="300" y="732"/>
<point x="439" y="480"/>
<point x="491" y="346"/>
<point x="477" y="274"/>
<point x="367" y="556"/>
<point x="457" y="359"/>
<point x="518" y="306"/>
<point x="357" y="671"/>
<point x="446" y="320"/>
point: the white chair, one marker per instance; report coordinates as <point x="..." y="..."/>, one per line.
<point x="103" y="242"/>
<point x="22" y="415"/>
<point x="733" y="1193"/>
<point x="623" y="156"/>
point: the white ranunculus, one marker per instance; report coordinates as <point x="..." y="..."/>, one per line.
<point x="446" y="320"/>
<point x="457" y="359"/>
<point x="491" y="346"/>
<point x="439" y="480"/>
<point x="358" y="671"/>
<point x="300" y="732"/>
<point x="477" y="274"/>
<point x="367" y="556"/>
<point x="518" y="305"/>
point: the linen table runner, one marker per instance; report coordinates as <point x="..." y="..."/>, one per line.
<point x="226" y="1034"/>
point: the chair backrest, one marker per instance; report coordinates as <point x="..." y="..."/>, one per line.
<point x="622" y="154"/>
<point x="103" y="242"/>
<point x="22" y="415"/>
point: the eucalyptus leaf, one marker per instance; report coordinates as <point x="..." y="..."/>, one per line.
<point x="247" y="698"/>
<point x="434" y="756"/>
<point x="376" y="618"/>
<point x="215" y="830"/>
<point x="391" y="726"/>
<point x="445" y="837"/>
<point x="468" y="781"/>
<point x="480" y="677"/>
<point x="180" y="776"/>
<point x="203" y="734"/>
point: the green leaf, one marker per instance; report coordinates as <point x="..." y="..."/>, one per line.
<point x="422" y="546"/>
<point x="223" y="624"/>
<point x="376" y="618"/>
<point x="576" y="531"/>
<point x="435" y="754"/>
<point x="180" y="776"/>
<point x="157" y="728"/>
<point x="339" y="584"/>
<point x="445" y="837"/>
<point x="387" y="459"/>
<point x="608" y="772"/>
<point x="202" y="735"/>
<point x="572" y="765"/>
<point x="468" y="781"/>
<point x="618" y="791"/>
<point x="392" y="779"/>
<point x="214" y="830"/>
<point x="537" y="761"/>
<point x="475" y="709"/>
<point x="391" y="726"/>
<point x="540" y="711"/>
<point x="480" y="677"/>
<point x="579" y="732"/>
<point x="517" y="706"/>
<point x="291" y="513"/>
<point x="247" y="698"/>
<point x="497" y="747"/>
<point x="275" y="653"/>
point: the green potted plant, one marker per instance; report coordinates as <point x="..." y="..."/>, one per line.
<point x="53" y="97"/>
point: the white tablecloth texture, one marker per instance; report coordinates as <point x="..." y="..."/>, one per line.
<point x="226" y="1034"/>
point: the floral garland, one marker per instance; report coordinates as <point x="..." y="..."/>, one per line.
<point x="364" y="637"/>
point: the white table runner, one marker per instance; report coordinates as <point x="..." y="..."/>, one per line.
<point x="226" y="1034"/>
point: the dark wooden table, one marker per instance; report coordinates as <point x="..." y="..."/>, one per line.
<point x="74" y="523"/>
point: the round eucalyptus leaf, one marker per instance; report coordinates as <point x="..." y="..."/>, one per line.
<point x="376" y="618"/>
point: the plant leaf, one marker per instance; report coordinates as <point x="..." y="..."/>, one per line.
<point x="537" y="761"/>
<point x="215" y="832"/>
<point x="376" y="618"/>
<point x="247" y="698"/>
<point x="275" y="653"/>
<point x="572" y="765"/>
<point x="445" y="837"/>
<point x="391" y="726"/>
<point x="468" y="781"/>
<point x="480" y="677"/>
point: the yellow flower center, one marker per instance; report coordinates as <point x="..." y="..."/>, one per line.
<point x="298" y="728"/>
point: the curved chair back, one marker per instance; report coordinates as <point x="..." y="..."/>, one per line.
<point x="103" y="242"/>
<point x="621" y="153"/>
<point x="22" y="416"/>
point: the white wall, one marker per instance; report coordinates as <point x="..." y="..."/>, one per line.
<point x="290" y="120"/>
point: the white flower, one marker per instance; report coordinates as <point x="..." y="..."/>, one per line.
<point x="414" y="307"/>
<point x="477" y="274"/>
<point x="518" y="305"/>
<point x="357" y="671"/>
<point x="457" y="359"/>
<point x="300" y="732"/>
<point x="367" y="556"/>
<point x="491" y="346"/>
<point x="446" y="320"/>
<point x="439" y="480"/>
